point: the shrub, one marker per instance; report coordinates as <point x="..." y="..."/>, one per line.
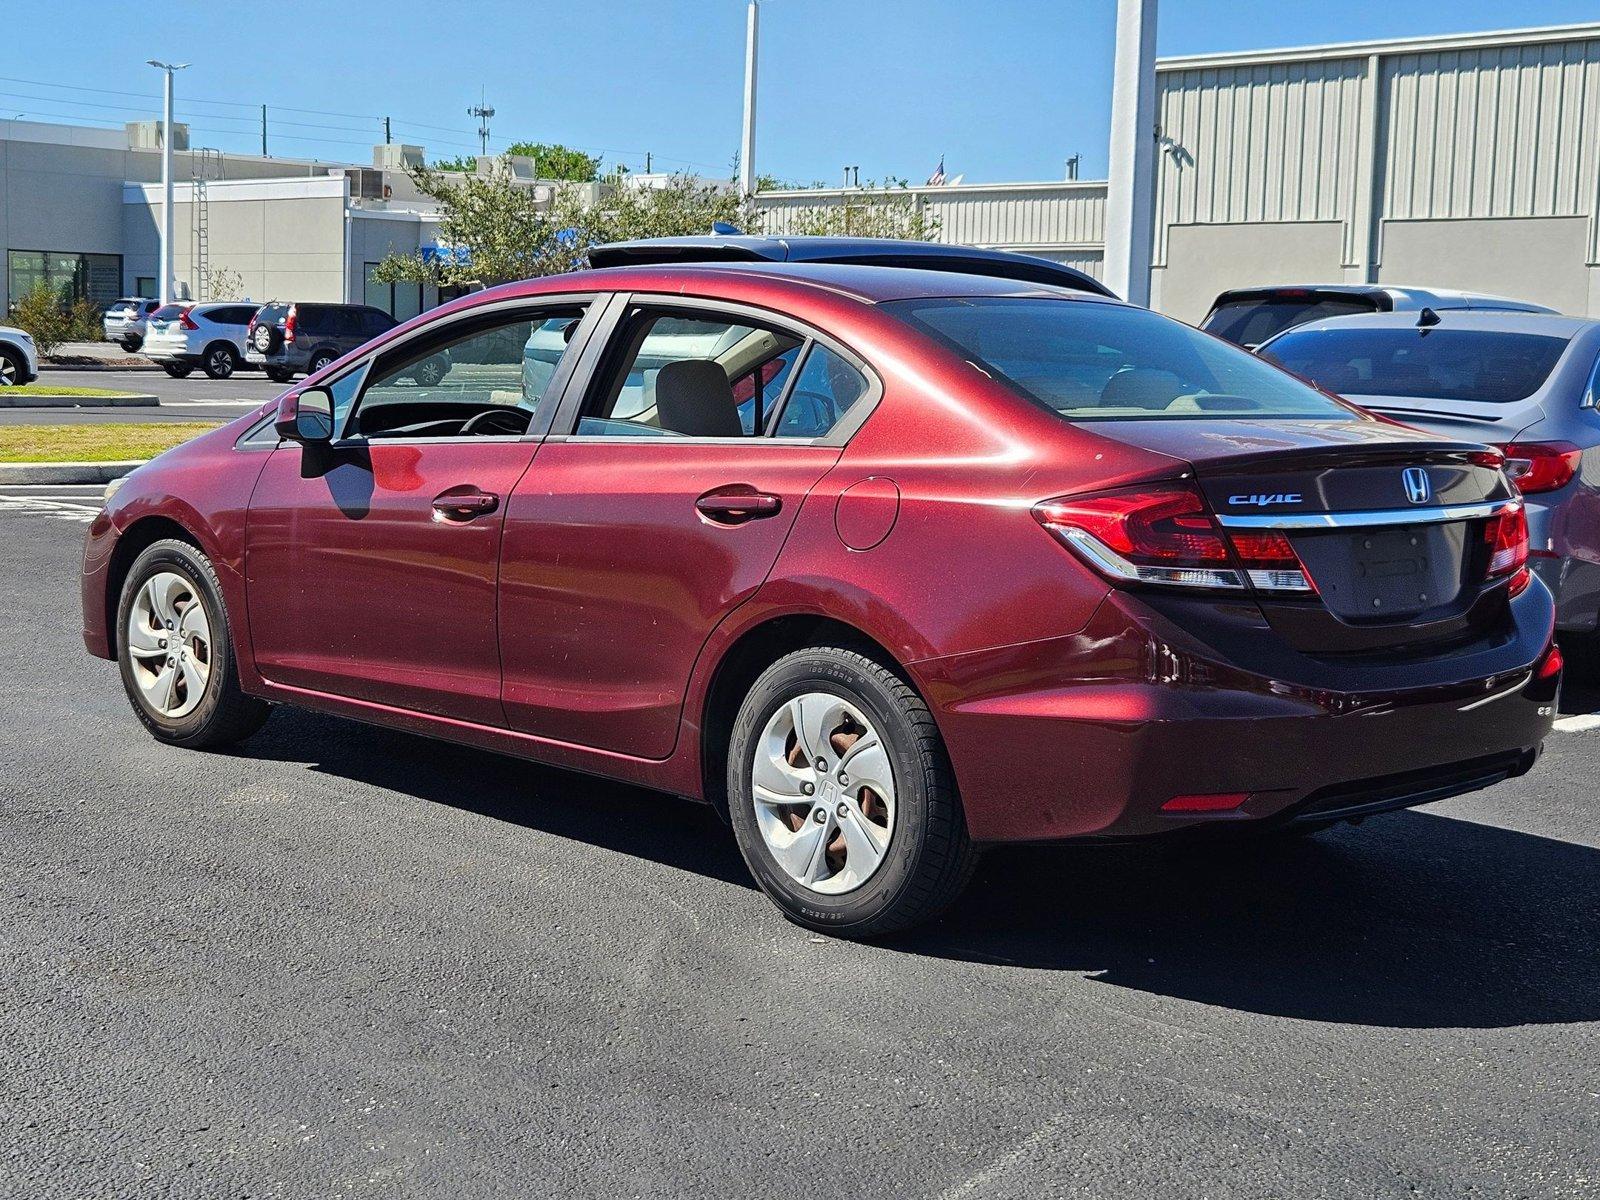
<point x="39" y="312"/>
<point x="84" y="322"/>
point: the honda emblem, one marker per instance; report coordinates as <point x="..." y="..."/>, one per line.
<point x="1416" y="481"/>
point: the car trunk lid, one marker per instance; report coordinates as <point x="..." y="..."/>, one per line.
<point x="1390" y="525"/>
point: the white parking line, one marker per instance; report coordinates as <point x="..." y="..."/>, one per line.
<point x="38" y="506"/>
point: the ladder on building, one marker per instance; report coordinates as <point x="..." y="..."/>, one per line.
<point x="205" y="164"/>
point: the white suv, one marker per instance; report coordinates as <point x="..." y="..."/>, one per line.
<point x="19" y="361"/>
<point x="210" y="336"/>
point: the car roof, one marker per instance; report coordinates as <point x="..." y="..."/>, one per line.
<point x="883" y="252"/>
<point x="746" y="280"/>
<point x="1419" y="297"/>
<point x="1482" y="320"/>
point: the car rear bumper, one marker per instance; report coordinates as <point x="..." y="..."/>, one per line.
<point x="1089" y="736"/>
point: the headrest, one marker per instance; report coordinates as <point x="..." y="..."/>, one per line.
<point x="694" y="398"/>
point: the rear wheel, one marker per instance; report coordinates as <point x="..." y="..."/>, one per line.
<point x="12" y="368"/>
<point x="279" y="375"/>
<point x="175" y="651"/>
<point x="177" y="370"/>
<point x="131" y="343"/>
<point x="221" y="360"/>
<point x="842" y="798"/>
<point x="319" y="360"/>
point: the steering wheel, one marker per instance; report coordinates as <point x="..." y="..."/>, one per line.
<point x="511" y="421"/>
<point x="820" y="412"/>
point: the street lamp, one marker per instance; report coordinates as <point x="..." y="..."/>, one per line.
<point x="166" y="180"/>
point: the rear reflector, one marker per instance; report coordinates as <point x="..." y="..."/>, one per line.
<point x="1552" y="664"/>
<point x="1163" y="534"/>
<point x="1542" y="466"/>
<point x="1216" y="802"/>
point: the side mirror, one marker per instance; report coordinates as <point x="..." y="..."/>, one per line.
<point x="306" y="416"/>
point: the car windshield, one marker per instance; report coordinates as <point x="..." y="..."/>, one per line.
<point x="1100" y="362"/>
<point x="1250" y="321"/>
<point x="1433" y="364"/>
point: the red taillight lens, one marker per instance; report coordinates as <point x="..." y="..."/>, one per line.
<point x="1163" y="534"/>
<point x="185" y="320"/>
<point x="1211" y="802"/>
<point x="1507" y="537"/>
<point x="1542" y="466"/>
<point x="288" y="325"/>
<point x="1552" y="664"/>
<point x="1160" y="534"/>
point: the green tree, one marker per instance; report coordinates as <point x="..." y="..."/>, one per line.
<point x="878" y="210"/>
<point x="501" y="232"/>
<point x="41" y="314"/>
<point x="551" y="160"/>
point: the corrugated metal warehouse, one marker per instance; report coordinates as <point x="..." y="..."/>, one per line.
<point x="1468" y="161"/>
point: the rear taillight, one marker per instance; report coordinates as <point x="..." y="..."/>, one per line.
<point x="185" y="321"/>
<point x="1163" y="534"/>
<point x="1507" y="537"/>
<point x="288" y="324"/>
<point x="1542" y="466"/>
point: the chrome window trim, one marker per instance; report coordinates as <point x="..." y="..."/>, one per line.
<point x="1369" y="518"/>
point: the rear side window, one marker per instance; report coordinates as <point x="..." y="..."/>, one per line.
<point x="233" y="315"/>
<point x="824" y="392"/>
<point x="1251" y="321"/>
<point x="1433" y="364"/>
<point x="1090" y="361"/>
<point x="374" y="322"/>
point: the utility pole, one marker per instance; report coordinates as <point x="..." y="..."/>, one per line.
<point x="747" y="147"/>
<point x="1130" y="185"/>
<point x="647" y="162"/>
<point x="263" y="131"/>
<point x="166" y="180"/>
<point x="483" y="112"/>
<point x="386" y="131"/>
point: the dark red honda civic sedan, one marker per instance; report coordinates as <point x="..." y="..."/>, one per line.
<point x="886" y="564"/>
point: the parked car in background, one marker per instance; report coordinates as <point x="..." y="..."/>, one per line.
<point x="1526" y="383"/>
<point x="19" y="358"/>
<point x="884" y="564"/>
<point x="302" y="338"/>
<point x="210" y="336"/>
<point x="1249" y="316"/>
<point x="125" y="321"/>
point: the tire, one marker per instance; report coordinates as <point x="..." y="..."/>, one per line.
<point x="221" y="361"/>
<point x="430" y="371"/>
<point x="12" y="368"/>
<point x="183" y="578"/>
<point x="279" y="375"/>
<point x="177" y="370"/>
<point x="923" y="857"/>
<point x="319" y="360"/>
<point x="131" y="343"/>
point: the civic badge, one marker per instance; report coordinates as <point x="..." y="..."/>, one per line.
<point x="1416" y="481"/>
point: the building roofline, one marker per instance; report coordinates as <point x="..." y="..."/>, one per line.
<point x="955" y="189"/>
<point x="1583" y="31"/>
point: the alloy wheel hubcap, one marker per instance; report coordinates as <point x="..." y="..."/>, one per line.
<point x="169" y="644"/>
<point x="8" y="372"/>
<point x="824" y="793"/>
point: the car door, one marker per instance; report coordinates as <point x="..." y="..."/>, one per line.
<point x="371" y="563"/>
<point x="658" y="505"/>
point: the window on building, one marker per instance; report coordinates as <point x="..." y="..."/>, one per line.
<point x="96" y="277"/>
<point x="400" y="300"/>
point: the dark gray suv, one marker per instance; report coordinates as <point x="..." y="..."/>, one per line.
<point x="301" y="339"/>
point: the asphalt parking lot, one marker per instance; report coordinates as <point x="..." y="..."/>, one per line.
<point x="347" y="962"/>
<point x="196" y="398"/>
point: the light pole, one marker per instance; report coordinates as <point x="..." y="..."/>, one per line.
<point x="1131" y="182"/>
<point x="747" y="148"/>
<point x="166" y="180"/>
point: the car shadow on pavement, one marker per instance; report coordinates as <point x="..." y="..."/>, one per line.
<point x="630" y="820"/>
<point x="1410" y="920"/>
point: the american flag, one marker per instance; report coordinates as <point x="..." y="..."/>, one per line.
<point x="937" y="178"/>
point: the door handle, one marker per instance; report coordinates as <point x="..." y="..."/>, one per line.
<point x="736" y="504"/>
<point x="463" y="503"/>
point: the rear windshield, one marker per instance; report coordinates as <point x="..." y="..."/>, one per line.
<point x="169" y="312"/>
<point x="1101" y="362"/>
<point x="1433" y="364"/>
<point x="1249" y="322"/>
<point x="271" y="314"/>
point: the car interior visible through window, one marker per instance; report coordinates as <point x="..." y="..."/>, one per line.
<point x="675" y="375"/>
<point x="485" y="378"/>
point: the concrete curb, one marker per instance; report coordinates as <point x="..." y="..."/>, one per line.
<point x="91" y="472"/>
<point x="120" y="368"/>
<point x="41" y="400"/>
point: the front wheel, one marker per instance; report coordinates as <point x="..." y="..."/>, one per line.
<point x="12" y="368"/>
<point x="177" y="370"/>
<point x="842" y="797"/>
<point x="175" y="651"/>
<point x="279" y="375"/>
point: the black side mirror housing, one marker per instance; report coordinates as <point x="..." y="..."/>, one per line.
<point x="306" y="416"/>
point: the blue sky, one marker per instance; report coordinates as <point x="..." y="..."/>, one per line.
<point x="1005" y="89"/>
